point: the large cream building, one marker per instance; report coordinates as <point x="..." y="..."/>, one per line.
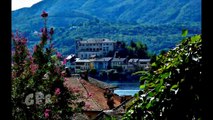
<point x="99" y="47"/>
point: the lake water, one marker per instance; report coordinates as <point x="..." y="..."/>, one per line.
<point x="125" y="88"/>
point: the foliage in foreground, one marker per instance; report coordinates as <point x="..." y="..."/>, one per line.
<point x="172" y="88"/>
<point x="38" y="89"/>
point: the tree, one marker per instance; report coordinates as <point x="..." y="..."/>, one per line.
<point x="172" y="88"/>
<point x="38" y="89"/>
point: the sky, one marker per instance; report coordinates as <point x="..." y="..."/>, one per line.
<point x="17" y="4"/>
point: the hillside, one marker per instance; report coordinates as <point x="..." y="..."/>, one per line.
<point x="152" y="22"/>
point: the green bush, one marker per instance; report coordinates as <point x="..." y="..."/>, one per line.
<point x="172" y="88"/>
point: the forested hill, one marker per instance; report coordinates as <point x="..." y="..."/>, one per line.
<point x="157" y="23"/>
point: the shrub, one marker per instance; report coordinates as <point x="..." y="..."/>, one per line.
<point x="172" y="88"/>
<point x="38" y="89"/>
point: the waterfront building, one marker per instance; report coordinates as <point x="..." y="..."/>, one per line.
<point x="102" y="63"/>
<point x="144" y="63"/>
<point x="119" y="62"/>
<point x="82" y="65"/>
<point x="99" y="47"/>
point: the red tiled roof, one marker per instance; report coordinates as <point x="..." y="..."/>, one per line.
<point x="92" y="95"/>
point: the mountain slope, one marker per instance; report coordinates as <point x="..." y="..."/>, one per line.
<point x="150" y="21"/>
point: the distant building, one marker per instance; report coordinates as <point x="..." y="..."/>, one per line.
<point x="99" y="47"/>
<point x="70" y="64"/>
<point x="102" y="63"/>
<point x="133" y="61"/>
<point x="144" y="63"/>
<point x="82" y="65"/>
<point x="132" y="64"/>
<point x="119" y="62"/>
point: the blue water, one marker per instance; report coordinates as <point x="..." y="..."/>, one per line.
<point x="125" y="88"/>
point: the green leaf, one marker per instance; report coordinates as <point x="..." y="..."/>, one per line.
<point x="149" y="105"/>
<point x="154" y="64"/>
<point x="165" y="75"/>
<point x="142" y="86"/>
<point x="184" y="33"/>
<point x="174" y="87"/>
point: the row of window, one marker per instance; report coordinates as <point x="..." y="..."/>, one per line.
<point x="95" y="44"/>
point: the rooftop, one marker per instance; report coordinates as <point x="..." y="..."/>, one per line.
<point x="92" y="95"/>
<point x="70" y="56"/>
<point x="119" y="59"/>
<point x="80" y="60"/>
<point x="97" y="40"/>
<point x="133" y="60"/>
<point x="103" y="59"/>
<point x="144" y="60"/>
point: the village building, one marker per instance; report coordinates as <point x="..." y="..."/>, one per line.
<point x="70" y="63"/>
<point x="119" y="62"/>
<point x="102" y="63"/>
<point x="132" y="64"/>
<point x="80" y="65"/>
<point x="144" y="63"/>
<point x="99" y="47"/>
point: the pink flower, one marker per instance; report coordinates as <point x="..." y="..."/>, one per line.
<point x="57" y="91"/>
<point x="65" y="79"/>
<point x="33" y="68"/>
<point x="89" y="95"/>
<point x="46" y="113"/>
<point x="58" y="54"/>
<point x="65" y="61"/>
<point x="44" y="14"/>
<point x="24" y="41"/>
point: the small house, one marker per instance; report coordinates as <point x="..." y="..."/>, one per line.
<point x="102" y="63"/>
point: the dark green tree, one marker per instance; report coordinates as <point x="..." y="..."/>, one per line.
<point x="172" y="88"/>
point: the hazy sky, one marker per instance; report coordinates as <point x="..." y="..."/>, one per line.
<point x="17" y="4"/>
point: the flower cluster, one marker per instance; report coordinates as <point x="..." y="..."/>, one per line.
<point x="28" y="73"/>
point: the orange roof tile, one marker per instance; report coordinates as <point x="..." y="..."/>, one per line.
<point x="92" y="95"/>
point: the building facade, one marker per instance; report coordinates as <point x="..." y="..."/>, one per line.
<point x="82" y="65"/>
<point x="144" y="63"/>
<point x="119" y="62"/>
<point x="99" y="47"/>
<point x="102" y="63"/>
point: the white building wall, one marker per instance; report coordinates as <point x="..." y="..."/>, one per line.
<point x="99" y="47"/>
